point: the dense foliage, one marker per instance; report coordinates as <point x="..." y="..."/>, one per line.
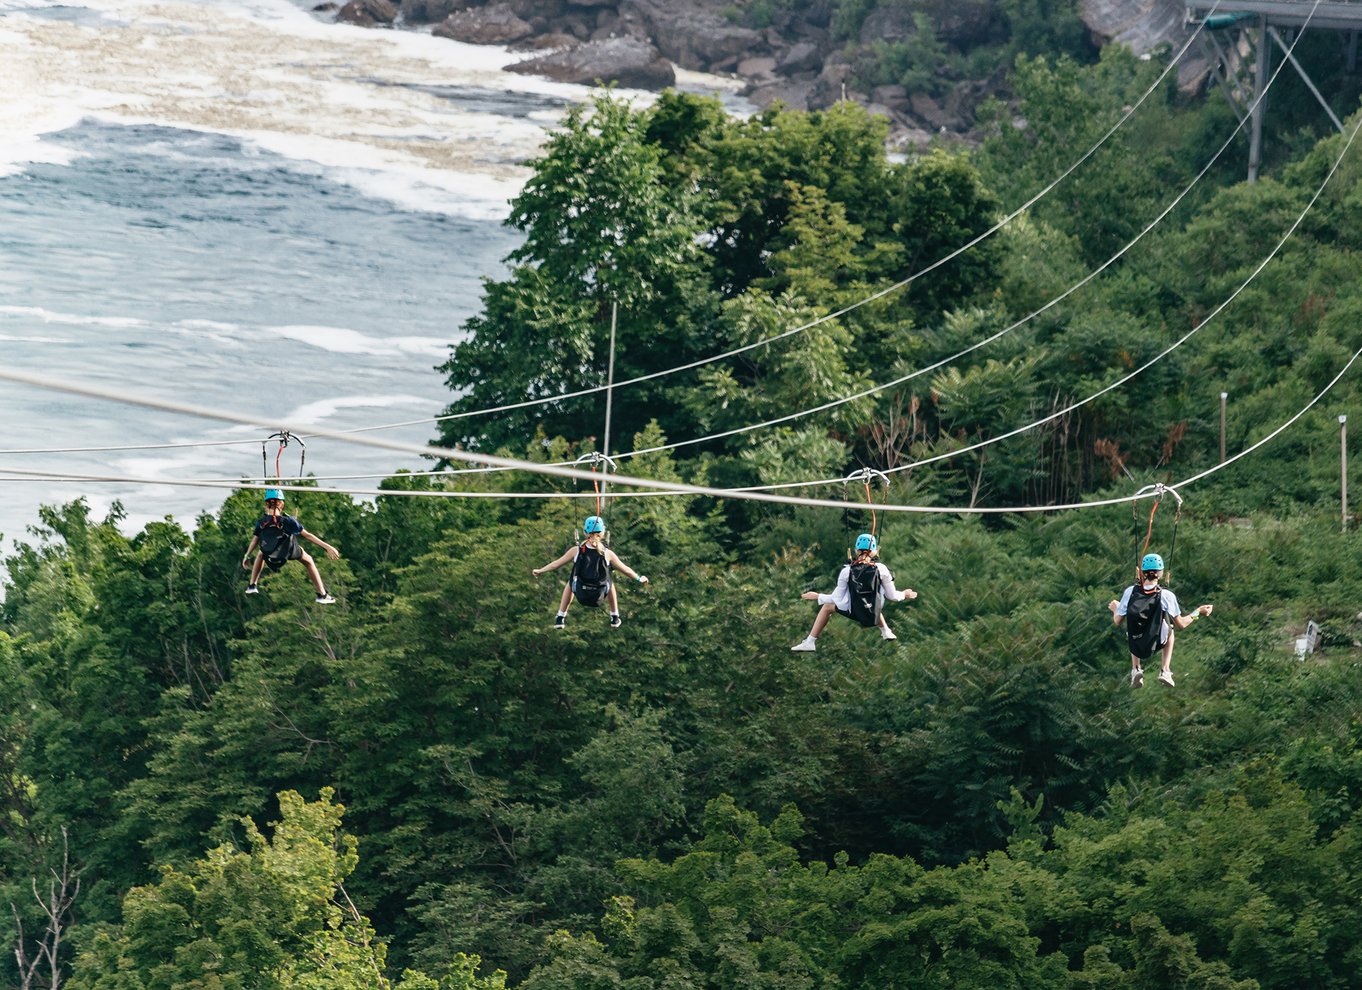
<point x="427" y="785"/>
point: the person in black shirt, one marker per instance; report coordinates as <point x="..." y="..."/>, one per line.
<point x="276" y="537"/>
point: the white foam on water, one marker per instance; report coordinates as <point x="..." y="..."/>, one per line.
<point x="313" y="413"/>
<point x="349" y="99"/>
<point x="342" y="341"/>
<point x="73" y="319"/>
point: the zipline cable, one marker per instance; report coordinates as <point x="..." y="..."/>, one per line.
<point x="670" y="489"/>
<point x="664" y="488"/>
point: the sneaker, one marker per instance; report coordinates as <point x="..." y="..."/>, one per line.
<point x="252" y="589"/>
<point x="1137" y="678"/>
<point x="325" y="599"/>
<point x="806" y="645"/>
<point x="616" y="621"/>
<point x="560" y="622"/>
<point x="1166" y="677"/>
<point x="887" y="633"/>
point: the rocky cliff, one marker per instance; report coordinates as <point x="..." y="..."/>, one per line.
<point x="793" y="58"/>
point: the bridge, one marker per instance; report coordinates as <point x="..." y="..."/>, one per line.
<point x="1239" y="37"/>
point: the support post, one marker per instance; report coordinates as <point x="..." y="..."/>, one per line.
<point x="1223" y="397"/>
<point x="1260" y="102"/>
<point x="1343" y="465"/>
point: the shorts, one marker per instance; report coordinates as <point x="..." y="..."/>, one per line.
<point x="599" y="595"/>
<point x="297" y="554"/>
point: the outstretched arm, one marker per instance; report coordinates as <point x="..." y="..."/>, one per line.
<point x="553" y="566"/>
<point x="892" y="593"/>
<point x="622" y="567"/>
<point x="1183" y="621"/>
<point x="331" y="551"/>
<point x="246" y="560"/>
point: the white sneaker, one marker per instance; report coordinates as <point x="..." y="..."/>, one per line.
<point x="325" y="599"/>
<point x="1137" y="678"/>
<point x="1166" y="677"/>
<point x="252" y="589"/>
<point x="887" y="633"/>
<point x="806" y="645"/>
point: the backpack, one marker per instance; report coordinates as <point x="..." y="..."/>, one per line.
<point x="864" y="584"/>
<point x="590" y="575"/>
<point x="277" y="545"/>
<point x="1144" y="621"/>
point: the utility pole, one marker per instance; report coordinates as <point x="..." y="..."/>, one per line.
<point x="1223" y="397"/>
<point x="1343" y="465"/>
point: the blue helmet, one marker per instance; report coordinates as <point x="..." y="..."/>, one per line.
<point x="1151" y="562"/>
<point x="273" y="493"/>
<point x="867" y="541"/>
<point x="594" y="524"/>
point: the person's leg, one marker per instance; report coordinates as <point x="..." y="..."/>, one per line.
<point x="1168" y="651"/>
<point x="1136" y="672"/>
<point x="820" y="623"/>
<point x="613" y="600"/>
<point x="257" y="567"/>
<point x="566" y="600"/>
<point x="312" y="572"/>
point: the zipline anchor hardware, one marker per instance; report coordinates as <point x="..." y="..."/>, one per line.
<point x="866" y="475"/>
<point x="605" y="464"/>
<point x="1158" y="491"/>
<point x="285" y="438"/>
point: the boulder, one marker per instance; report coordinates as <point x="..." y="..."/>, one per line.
<point x="693" y="35"/>
<point x="895" y="97"/>
<point x="495" y="24"/>
<point x="549" y="10"/>
<point x="431" y="11"/>
<point x="802" y="57"/>
<point x="627" y="61"/>
<point x="553" y="41"/>
<point x="831" y="85"/>
<point x="367" y="13"/>
<point x="793" y="93"/>
<point x="759" y="67"/>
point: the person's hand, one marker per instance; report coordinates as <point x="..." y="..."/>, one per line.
<point x="810" y="596"/>
<point x="332" y="552"/>
<point x="1113" y="605"/>
<point x="909" y="593"/>
<point x="246" y="562"/>
<point x="1204" y="609"/>
<point x="642" y="579"/>
<point x="536" y="571"/>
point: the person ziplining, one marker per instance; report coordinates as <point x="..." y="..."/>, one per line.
<point x="276" y="536"/>
<point x="863" y="586"/>
<point x="590" y="582"/>
<point x="1151" y="614"/>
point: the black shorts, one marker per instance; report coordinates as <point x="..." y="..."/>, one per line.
<point x="297" y="554"/>
<point x="847" y="615"/>
<point x="592" y="598"/>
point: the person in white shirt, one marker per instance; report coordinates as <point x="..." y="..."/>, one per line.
<point x="841" y="600"/>
<point x="1151" y="615"/>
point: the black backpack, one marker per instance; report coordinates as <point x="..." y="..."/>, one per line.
<point x="590" y="575"/>
<point x="1144" y="621"/>
<point x="277" y="544"/>
<point x="864" y="584"/>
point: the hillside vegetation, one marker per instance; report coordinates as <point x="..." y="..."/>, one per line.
<point x="425" y="786"/>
